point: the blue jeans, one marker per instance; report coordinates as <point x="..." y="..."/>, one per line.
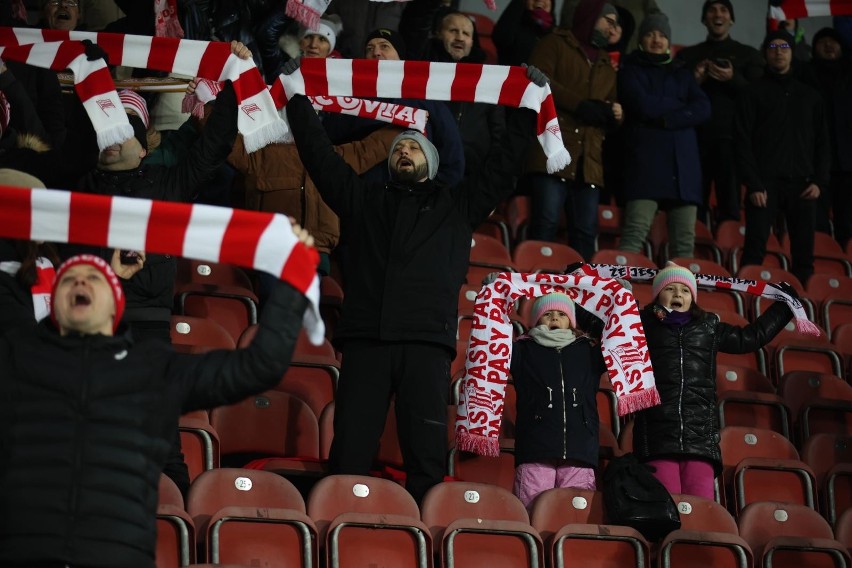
<point x="550" y="195"/>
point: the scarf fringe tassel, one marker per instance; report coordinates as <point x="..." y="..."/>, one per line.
<point x="305" y="15"/>
<point x="807" y="327"/>
<point x="482" y="445"/>
<point x="114" y="135"/>
<point x="558" y="161"/>
<point x="638" y="400"/>
<point x="267" y="134"/>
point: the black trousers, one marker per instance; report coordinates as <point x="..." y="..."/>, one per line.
<point x="718" y="169"/>
<point x="418" y="375"/>
<point x="800" y="215"/>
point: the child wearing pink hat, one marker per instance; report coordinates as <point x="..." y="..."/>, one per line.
<point x="556" y="370"/>
<point x="680" y="437"/>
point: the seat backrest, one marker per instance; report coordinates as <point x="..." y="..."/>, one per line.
<point x="735" y="378"/>
<point x="740" y="442"/>
<point x="452" y="500"/>
<point x="699" y="514"/>
<point x="769" y="274"/>
<point x="823" y="451"/>
<point x="702" y="266"/>
<point x="843" y="528"/>
<point x="336" y="494"/>
<point x="486" y="248"/>
<point x="198" y="335"/>
<point x="227" y="487"/>
<point x="760" y="522"/>
<point x="611" y="256"/>
<point x="797" y="388"/>
<point x="531" y="253"/>
<point x="272" y="423"/>
<point x="558" y="507"/>
<point x="821" y="287"/>
<point x="169" y="494"/>
<point x="841" y="337"/>
<point x="203" y="272"/>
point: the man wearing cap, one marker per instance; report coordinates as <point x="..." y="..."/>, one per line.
<point x="784" y="156"/>
<point x="724" y="68"/>
<point x="409" y="243"/>
<point x="87" y="415"/>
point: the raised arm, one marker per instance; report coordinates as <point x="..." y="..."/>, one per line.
<point x="749" y="338"/>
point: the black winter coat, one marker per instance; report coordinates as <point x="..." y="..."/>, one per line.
<point x="150" y="292"/>
<point x="409" y="243"/>
<point x="86" y="424"/>
<point x="557" y="416"/>
<point x="686" y="425"/>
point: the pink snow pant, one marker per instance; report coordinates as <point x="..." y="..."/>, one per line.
<point x="534" y="478"/>
<point x="690" y="477"/>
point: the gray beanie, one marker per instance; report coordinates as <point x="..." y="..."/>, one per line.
<point x="428" y="148"/>
<point x="655" y="22"/>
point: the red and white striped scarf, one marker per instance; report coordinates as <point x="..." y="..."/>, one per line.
<point x="258" y="121"/>
<point x="489" y="352"/>
<point x="92" y="82"/>
<point x="251" y="239"/>
<point x="494" y="84"/>
<point x="41" y="288"/>
<point x="308" y="12"/>
<point x="754" y="287"/>
<point x="795" y="9"/>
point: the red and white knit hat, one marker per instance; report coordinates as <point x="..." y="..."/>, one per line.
<point x="674" y="273"/>
<point x="554" y="301"/>
<point x="105" y="269"/>
<point x="134" y="101"/>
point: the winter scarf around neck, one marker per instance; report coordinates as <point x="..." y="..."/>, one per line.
<point x="556" y="338"/>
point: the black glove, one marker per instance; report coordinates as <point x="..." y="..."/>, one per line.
<point x="594" y="113"/>
<point x="573" y="266"/>
<point x="94" y="51"/>
<point x="787" y="289"/>
<point x="291" y="65"/>
<point x="535" y="75"/>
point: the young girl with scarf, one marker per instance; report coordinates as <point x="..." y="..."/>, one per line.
<point x="680" y="437"/>
<point x="556" y="370"/>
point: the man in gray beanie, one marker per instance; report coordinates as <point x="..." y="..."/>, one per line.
<point x="409" y="246"/>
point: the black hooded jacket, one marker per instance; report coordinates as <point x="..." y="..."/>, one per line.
<point x="686" y="425"/>
<point x="86" y="423"/>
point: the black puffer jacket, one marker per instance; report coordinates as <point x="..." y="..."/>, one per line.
<point x="86" y="424"/>
<point x="685" y="425"/>
<point x="557" y="415"/>
<point x="409" y="243"/>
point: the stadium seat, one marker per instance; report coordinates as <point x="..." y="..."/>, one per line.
<point x="499" y="471"/>
<point x="199" y="443"/>
<point x="624" y="258"/>
<point x="360" y="519"/>
<point x="330" y="304"/>
<point x="272" y="424"/>
<point x="609" y="227"/>
<point x="842" y="341"/>
<point x="824" y="288"/>
<point x="704" y="247"/>
<point x="233" y="308"/>
<point x="175" y="529"/>
<point x="818" y="402"/>
<point x="783" y="535"/>
<point x="252" y="518"/>
<point x="517" y="216"/>
<point x="197" y="335"/>
<point x="572" y="525"/>
<point x="487" y="254"/>
<point x="543" y="256"/>
<point x="625" y="437"/>
<point x="708" y="536"/>
<point x="843" y="529"/>
<point x="762" y="465"/>
<point x="467" y="298"/>
<point x="734" y="378"/>
<point x="730" y="236"/>
<point x="478" y="524"/>
<point x="830" y="458"/>
<point x="754" y="410"/>
<point x="829" y="258"/>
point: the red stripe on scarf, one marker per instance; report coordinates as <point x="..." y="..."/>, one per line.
<point x="97" y="84"/>
<point x="365" y="77"/>
<point x="248" y="84"/>
<point x="513" y="87"/>
<point x="89" y="219"/>
<point x="465" y="81"/>
<point x="163" y="53"/>
<point x="167" y="225"/>
<point x="14" y="201"/>
<point x="214" y="59"/>
<point x="543" y="118"/>
<point x="316" y="82"/>
<point x="113" y="44"/>
<point x="414" y="79"/>
<point x="241" y="237"/>
<point x="294" y="268"/>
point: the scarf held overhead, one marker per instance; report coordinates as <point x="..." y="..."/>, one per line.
<point x="261" y="241"/>
<point x="755" y="287"/>
<point x="467" y="82"/>
<point x="309" y="12"/>
<point x="258" y="121"/>
<point x="795" y="9"/>
<point x="489" y="352"/>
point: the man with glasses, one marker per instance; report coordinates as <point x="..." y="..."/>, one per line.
<point x="784" y="157"/>
<point x="61" y="14"/>
<point x="723" y="67"/>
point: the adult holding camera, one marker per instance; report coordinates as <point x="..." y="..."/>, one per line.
<point x="723" y="67"/>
